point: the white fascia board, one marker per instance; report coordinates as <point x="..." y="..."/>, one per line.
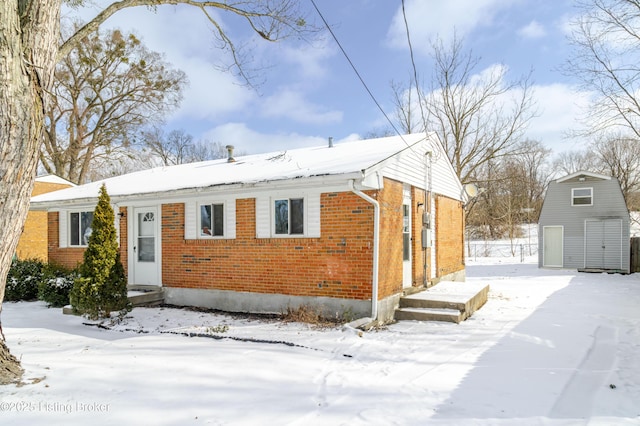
<point x="326" y="183"/>
<point x="583" y="173"/>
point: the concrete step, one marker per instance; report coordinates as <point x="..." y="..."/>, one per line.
<point x="425" y="314"/>
<point x="146" y="295"/>
<point x="442" y="301"/>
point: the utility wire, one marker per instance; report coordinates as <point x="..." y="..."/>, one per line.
<point x="358" y="74"/>
<point x="415" y="69"/>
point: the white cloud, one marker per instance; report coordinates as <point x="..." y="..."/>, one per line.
<point x="291" y="104"/>
<point x="312" y="60"/>
<point x="560" y="107"/>
<point x="250" y="141"/>
<point x="211" y="92"/>
<point x="436" y="18"/>
<point x="533" y="30"/>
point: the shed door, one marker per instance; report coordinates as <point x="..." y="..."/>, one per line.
<point x="553" y="246"/>
<point x="603" y="244"/>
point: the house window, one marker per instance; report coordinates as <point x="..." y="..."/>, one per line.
<point x="80" y="228"/>
<point x="212" y="220"/>
<point x="582" y="197"/>
<point x="289" y="216"/>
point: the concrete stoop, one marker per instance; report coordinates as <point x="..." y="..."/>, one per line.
<point x="145" y="295"/>
<point x="447" y="301"/>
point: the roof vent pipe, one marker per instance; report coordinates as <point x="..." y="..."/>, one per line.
<point x="230" y="158"/>
<point x="330" y="142"/>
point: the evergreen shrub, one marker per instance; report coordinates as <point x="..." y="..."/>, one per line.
<point x="101" y="287"/>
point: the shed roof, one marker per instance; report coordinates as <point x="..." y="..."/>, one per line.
<point x="583" y="173"/>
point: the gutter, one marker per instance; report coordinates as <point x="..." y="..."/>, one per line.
<point x="376" y="251"/>
<point x="176" y="195"/>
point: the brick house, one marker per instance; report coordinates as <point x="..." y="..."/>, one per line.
<point x="33" y="240"/>
<point x="345" y="227"/>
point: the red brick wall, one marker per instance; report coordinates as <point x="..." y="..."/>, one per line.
<point x="70" y="256"/>
<point x="338" y="264"/>
<point x="390" y="273"/>
<point x="450" y="236"/>
<point x="124" y="240"/>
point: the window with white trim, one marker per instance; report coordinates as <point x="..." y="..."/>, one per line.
<point x="582" y="196"/>
<point x="80" y="228"/>
<point x="212" y="222"/>
<point x="288" y="218"/>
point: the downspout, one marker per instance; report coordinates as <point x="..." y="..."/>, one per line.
<point x="376" y="247"/>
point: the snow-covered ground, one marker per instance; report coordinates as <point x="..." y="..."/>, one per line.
<point x="548" y="348"/>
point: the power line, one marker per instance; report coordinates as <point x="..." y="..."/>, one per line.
<point x="357" y="73"/>
<point x="415" y="69"/>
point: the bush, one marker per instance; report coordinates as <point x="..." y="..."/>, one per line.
<point x="56" y="284"/>
<point x="101" y="287"/>
<point x="23" y="279"/>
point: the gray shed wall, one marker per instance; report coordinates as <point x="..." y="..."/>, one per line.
<point x="608" y="203"/>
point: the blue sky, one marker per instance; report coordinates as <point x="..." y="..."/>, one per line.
<point x="309" y="91"/>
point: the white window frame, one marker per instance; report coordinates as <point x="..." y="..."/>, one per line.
<point x="68" y="215"/>
<point x="199" y="221"/>
<point x="573" y="197"/>
<point x="305" y="215"/>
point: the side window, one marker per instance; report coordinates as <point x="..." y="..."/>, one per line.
<point x="289" y="216"/>
<point x="80" y="228"/>
<point x="211" y="220"/>
<point x="582" y="197"/>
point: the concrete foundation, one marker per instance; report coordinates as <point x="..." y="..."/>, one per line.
<point x="235" y="301"/>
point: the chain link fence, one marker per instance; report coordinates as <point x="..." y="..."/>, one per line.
<point x="478" y="249"/>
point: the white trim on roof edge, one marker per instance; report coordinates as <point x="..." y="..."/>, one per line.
<point x="583" y="173"/>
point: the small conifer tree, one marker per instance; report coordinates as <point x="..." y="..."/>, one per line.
<point x="102" y="285"/>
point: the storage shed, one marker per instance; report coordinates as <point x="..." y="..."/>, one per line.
<point x="584" y="224"/>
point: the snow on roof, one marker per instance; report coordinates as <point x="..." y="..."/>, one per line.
<point x="54" y="179"/>
<point x="342" y="158"/>
<point x="583" y="173"/>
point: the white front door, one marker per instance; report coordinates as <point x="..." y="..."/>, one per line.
<point x="145" y="246"/>
<point x="406" y="240"/>
<point x="552" y="246"/>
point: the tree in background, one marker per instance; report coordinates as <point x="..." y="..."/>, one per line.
<point x="513" y="192"/>
<point x="105" y="90"/>
<point x="610" y="155"/>
<point x="478" y="118"/>
<point x="178" y="147"/>
<point x="569" y="162"/>
<point x="29" y="51"/>
<point x="620" y="157"/>
<point x="102" y="286"/>
<point x="606" y="60"/>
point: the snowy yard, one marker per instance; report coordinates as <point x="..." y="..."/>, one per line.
<point x="549" y="347"/>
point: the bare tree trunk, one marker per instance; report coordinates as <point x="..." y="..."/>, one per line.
<point x="28" y="47"/>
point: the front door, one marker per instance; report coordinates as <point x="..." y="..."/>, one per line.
<point x="406" y="240"/>
<point x="552" y="246"/>
<point x="145" y="246"/>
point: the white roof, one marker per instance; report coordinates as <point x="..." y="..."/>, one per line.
<point x="349" y="160"/>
